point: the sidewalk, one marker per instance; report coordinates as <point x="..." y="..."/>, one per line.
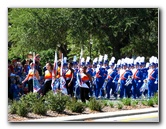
<point x="80" y="118"/>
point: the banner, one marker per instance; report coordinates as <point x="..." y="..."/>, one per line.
<point x="36" y="85"/>
<point x="62" y="80"/>
<point x="144" y="86"/>
<point x="55" y="85"/>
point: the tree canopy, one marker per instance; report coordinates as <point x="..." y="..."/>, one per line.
<point x="118" y="32"/>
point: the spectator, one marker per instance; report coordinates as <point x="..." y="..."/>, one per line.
<point x="16" y="90"/>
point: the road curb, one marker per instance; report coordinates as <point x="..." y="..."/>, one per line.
<point x="86" y="117"/>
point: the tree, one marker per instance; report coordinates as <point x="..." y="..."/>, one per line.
<point x="117" y="32"/>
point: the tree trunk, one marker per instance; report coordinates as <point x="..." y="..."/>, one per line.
<point x="63" y="49"/>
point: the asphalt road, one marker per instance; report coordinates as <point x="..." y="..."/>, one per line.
<point x="149" y="117"/>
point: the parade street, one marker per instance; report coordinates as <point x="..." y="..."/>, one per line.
<point x="138" y="115"/>
<point x="149" y="117"/>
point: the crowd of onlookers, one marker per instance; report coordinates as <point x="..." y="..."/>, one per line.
<point x="17" y="71"/>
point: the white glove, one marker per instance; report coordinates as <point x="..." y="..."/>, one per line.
<point x="155" y="82"/>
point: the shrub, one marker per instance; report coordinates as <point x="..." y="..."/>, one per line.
<point x="126" y="101"/>
<point x="156" y="94"/>
<point x="134" y="103"/>
<point x="39" y="108"/>
<point x="56" y="102"/>
<point x="95" y="104"/>
<point x="150" y="102"/>
<point x="155" y="99"/>
<point x="86" y="104"/>
<point x="30" y="99"/>
<point x="13" y="107"/>
<point x="22" y="109"/>
<point x="120" y="105"/>
<point x="111" y="104"/>
<point x="105" y="102"/>
<point x="75" y="106"/>
<point x="145" y="102"/>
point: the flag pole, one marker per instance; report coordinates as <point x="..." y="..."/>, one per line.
<point x="54" y="71"/>
<point x="33" y="69"/>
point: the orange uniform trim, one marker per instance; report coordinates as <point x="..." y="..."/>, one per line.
<point x="98" y="74"/>
<point x="122" y="76"/>
<point x="48" y="75"/>
<point x="109" y="74"/>
<point x="68" y="74"/>
<point x="135" y="76"/>
<point x="84" y="77"/>
<point x="150" y="76"/>
<point x="30" y="74"/>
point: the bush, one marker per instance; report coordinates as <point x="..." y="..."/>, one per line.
<point x="156" y="94"/>
<point x="105" y="102"/>
<point x="39" y="108"/>
<point x="150" y="102"/>
<point x="120" y="105"/>
<point x="56" y="102"/>
<point x="25" y="104"/>
<point x="145" y="102"/>
<point x="95" y="104"/>
<point x="111" y="104"/>
<point x="75" y="106"/>
<point x="86" y="104"/>
<point x="155" y="99"/>
<point x="134" y="103"/>
<point x="30" y="99"/>
<point x="13" y="107"/>
<point x="126" y="101"/>
<point x="22" y="109"/>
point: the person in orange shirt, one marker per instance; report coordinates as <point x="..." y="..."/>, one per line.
<point x="86" y="79"/>
<point x="69" y="79"/>
<point x="30" y="76"/>
<point x="48" y="78"/>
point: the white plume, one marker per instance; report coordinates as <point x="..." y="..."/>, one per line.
<point x="100" y="58"/>
<point x="74" y="58"/>
<point x="87" y="59"/>
<point x="65" y="59"/>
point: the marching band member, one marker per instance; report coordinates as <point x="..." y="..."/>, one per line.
<point x="152" y="77"/>
<point x="69" y="79"/>
<point x="89" y="71"/>
<point x="110" y="77"/>
<point x="48" y="78"/>
<point x="95" y="61"/>
<point x="99" y="77"/>
<point x="137" y="79"/>
<point x="75" y="83"/>
<point x="32" y="73"/>
<point x="124" y="75"/>
<point x="156" y="82"/>
<point x="85" y="84"/>
<point x="116" y="78"/>
<point x="128" y="88"/>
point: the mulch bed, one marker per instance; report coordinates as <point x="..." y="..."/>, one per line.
<point x="17" y="118"/>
